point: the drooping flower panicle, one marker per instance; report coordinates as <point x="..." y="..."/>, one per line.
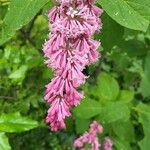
<point x="91" y="138"/>
<point x="69" y="49"/>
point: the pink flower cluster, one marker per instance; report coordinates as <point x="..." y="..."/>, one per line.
<point x="69" y="49"/>
<point x="91" y="138"/>
<point x="108" y="144"/>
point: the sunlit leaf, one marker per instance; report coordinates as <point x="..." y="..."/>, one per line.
<point x="87" y="109"/>
<point x="4" y="143"/>
<point x="114" y="112"/>
<point x="108" y="88"/>
<point x="14" y="122"/>
<point x="126" y="96"/>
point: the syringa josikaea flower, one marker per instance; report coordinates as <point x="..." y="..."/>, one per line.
<point x="91" y="138"/>
<point x="68" y="50"/>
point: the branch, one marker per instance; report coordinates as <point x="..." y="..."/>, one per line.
<point x="7" y="97"/>
<point x="26" y="33"/>
<point x="26" y="36"/>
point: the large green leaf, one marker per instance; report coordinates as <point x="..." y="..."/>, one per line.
<point x="124" y="130"/>
<point x="111" y="34"/>
<point x="121" y="144"/>
<point x="14" y="122"/>
<point x="87" y="109"/>
<point x="108" y="88"/>
<point x="115" y="111"/>
<point x="142" y="7"/>
<point x="4" y="143"/>
<point x="133" y="14"/>
<point x="19" y="14"/>
<point x="144" y="119"/>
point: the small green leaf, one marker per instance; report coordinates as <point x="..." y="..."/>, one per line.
<point x="126" y="96"/>
<point x="20" y="73"/>
<point x="108" y="88"/>
<point x="128" y="12"/>
<point x="87" y="109"/>
<point x="4" y="143"/>
<point x="14" y="122"/>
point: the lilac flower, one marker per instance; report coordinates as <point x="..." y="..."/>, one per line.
<point x="91" y="138"/>
<point x="108" y="144"/>
<point x="68" y="50"/>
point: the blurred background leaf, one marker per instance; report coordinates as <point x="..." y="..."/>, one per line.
<point x="144" y="118"/>
<point x="4" y="144"/>
<point x="16" y="123"/>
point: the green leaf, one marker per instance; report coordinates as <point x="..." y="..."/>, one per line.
<point x="134" y="47"/>
<point x="87" y="109"/>
<point x="145" y="82"/>
<point x="126" y="96"/>
<point x="111" y="34"/>
<point x="82" y="125"/>
<point x="4" y="143"/>
<point x="147" y="66"/>
<point x="3" y="10"/>
<point x="115" y="111"/>
<point x="20" y="73"/>
<point x="14" y="122"/>
<point x="120" y="60"/>
<point x="19" y="14"/>
<point x="128" y="12"/>
<point x="144" y="119"/>
<point x="121" y="144"/>
<point x="124" y="130"/>
<point x="143" y="7"/>
<point x="145" y="86"/>
<point x="108" y="88"/>
<point x="69" y="125"/>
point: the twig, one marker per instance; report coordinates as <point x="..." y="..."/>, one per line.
<point x="7" y="97"/>
<point x="26" y="33"/>
<point x="27" y="37"/>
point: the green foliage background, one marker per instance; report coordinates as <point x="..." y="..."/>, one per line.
<point x="117" y="91"/>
